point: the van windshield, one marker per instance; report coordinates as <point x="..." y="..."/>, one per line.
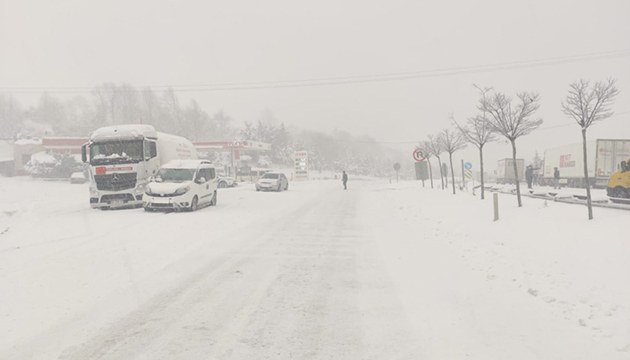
<point x="175" y="175"/>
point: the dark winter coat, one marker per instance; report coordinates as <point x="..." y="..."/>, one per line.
<point x="344" y="178"/>
<point x="529" y="173"/>
<point x="556" y="174"/>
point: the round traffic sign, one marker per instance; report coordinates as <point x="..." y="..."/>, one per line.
<point x="467" y="166"/>
<point x="419" y="155"/>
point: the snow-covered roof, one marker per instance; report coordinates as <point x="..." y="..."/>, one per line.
<point x="29" y="142"/>
<point x="123" y="131"/>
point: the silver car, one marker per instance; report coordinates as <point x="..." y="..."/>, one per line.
<point x="272" y="181"/>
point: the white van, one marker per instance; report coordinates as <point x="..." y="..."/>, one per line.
<point x="182" y="185"/>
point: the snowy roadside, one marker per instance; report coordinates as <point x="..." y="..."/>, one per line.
<point x="543" y="282"/>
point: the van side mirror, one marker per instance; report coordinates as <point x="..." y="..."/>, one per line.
<point x="200" y="180"/>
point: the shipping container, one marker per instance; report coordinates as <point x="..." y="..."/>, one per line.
<point x="505" y="170"/>
<point x="604" y="157"/>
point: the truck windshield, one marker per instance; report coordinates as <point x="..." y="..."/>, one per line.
<point x="174" y="175"/>
<point x="116" y="152"/>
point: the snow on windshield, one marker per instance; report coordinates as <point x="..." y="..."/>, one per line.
<point x="116" y="151"/>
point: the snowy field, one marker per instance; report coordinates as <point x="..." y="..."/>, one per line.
<point x="381" y="271"/>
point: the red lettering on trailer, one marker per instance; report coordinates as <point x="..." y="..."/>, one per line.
<point x="100" y="170"/>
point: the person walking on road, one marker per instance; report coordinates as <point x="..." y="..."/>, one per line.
<point x="556" y="178"/>
<point x="344" y="180"/>
<point x="529" y="176"/>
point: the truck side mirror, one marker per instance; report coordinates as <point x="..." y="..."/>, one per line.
<point x="152" y="149"/>
<point x="84" y="153"/>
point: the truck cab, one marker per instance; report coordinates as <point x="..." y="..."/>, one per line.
<point x="619" y="182"/>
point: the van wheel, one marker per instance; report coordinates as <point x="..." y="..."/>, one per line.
<point x="213" y="202"/>
<point x="619" y="192"/>
<point x="194" y="204"/>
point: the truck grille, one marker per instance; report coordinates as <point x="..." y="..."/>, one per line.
<point x="115" y="182"/>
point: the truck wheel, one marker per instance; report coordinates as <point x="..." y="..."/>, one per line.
<point x="194" y="204"/>
<point x="619" y="192"/>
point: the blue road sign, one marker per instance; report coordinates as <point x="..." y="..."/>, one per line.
<point x="467" y="166"/>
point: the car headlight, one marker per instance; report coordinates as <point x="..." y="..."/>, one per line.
<point x="182" y="191"/>
<point x="141" y="188"/>
<point x="147" y="190"/>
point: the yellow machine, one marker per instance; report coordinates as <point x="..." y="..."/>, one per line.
<point x="619" y="182"/>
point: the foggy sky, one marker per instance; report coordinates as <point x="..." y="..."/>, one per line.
<point x="149" y="42"/>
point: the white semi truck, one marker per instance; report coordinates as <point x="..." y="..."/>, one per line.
<point x="604" y="158"/>
<point x="123" y="158"/>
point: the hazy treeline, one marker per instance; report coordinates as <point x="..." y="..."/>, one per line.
<point x="111" y="104"/>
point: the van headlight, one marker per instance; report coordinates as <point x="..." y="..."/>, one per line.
<point x="182" y="191"/>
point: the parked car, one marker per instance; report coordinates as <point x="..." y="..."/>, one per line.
<point x="272" y="181"/>
<point x="78" y="178"/>
<point x="226" y="181"/>
<point x="182" y="185"/>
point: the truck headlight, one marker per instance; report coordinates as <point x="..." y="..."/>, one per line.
<point x="93" y="191"/>
<point x="182" y="191"/>
<point x="141" y="188"/>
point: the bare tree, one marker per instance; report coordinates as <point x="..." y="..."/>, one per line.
<point x="512" y="122"/>
<point x="426" y="146"/>
<point x="175" y="112"/>
<point x="129" y="99"/>
<point x="435" y="147"/>
<point x="478" y="132"/>
<point x="150" y="106"/>
<point x="451" y="142"/>
<point x="223" y="121"/>
<point x="587" y="106"/>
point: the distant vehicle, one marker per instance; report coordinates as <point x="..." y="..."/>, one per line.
<point x="505" y="171"/>
<point x="604" y="159"/>
<point x="250" y="174"/>
<point x="226" y="181"/>
<point x="122" y="158"/>
<point x="182" y="185"/>
<point x="619" y="184"/>
<point x="78" y="178"/>
<point x="272" y="181"/>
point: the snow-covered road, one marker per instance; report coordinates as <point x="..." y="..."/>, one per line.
<point x="376" y="272"/>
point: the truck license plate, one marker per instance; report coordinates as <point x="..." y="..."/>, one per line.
<point x="116" y="203"/>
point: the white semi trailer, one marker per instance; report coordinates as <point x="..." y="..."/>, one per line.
<point x="604" y="158"/>
<point x="123" y="158"/>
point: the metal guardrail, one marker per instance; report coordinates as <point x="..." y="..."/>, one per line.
<point x="611" y="203"/>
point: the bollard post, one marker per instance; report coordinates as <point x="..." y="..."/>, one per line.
<point x="496" y="206"/>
